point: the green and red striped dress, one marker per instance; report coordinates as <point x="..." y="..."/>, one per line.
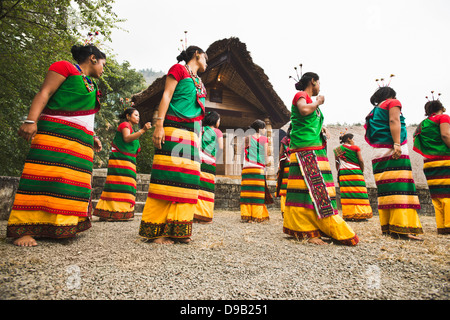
<point x="352" y="185"/>
<point x="397" y="195"/>
<point x="204" y="210"/>
<point x="308" y="149"/>
<point x="283" y="172"/>
<point x="394" y="190"/>
<point x="53" y="198"/>
<point x="436" y="167"/>
<point x="253" y="183"/>
<point x="175" y="178"/>
<point x="118" y="198"/>
<point x="428" y="142"/>
<point x="311" y="209"/>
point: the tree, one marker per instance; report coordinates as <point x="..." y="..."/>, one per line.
<point x="33" y="35"/>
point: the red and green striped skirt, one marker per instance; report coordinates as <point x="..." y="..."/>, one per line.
<point x="204" y="211"/>
<point x="174" y="184"/>
<point x="117" y="200"/>
<point x="353" y="192"/>
<point x="394" y="179"/>
<point x="53" y="197"/>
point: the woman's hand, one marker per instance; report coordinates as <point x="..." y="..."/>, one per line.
<point x="397" y="152"/>
<point x="28" y="131"/>
<point x="147" y="126"/>
<point x="97" y="144"/>
<point x="320" y="100"/>
<point x="306" y="109"/>
<point x="158" y="136"/>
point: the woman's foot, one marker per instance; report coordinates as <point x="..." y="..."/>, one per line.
<point x="413" y="237"/>
<point x="406" y="237"/>
<point x="317" y="241"/>
<point x="25" y="241"/>
<point x="185" y="240"/>
<point x="202" y="222"/>
<point x="163" y="240"/>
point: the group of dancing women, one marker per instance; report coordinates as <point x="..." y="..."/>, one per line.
<point x="53" y="199"/>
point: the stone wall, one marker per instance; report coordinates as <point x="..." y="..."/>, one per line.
<point x="227" y="194"/>
<point x="228" y="190"/>
<point x="8" y="188"/>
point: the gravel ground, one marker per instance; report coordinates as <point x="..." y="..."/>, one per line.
<point x="227" y="260"/>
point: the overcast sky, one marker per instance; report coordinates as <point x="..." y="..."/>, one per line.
<point x="349" y="43"/>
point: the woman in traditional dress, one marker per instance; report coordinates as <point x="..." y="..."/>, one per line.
<point x="253" y="185"/>
<point x="55" y="187"/>
<point x="432" y="141"/>
<point x="311" y="209"/>
<point x="174" y="186"/>
<point x="350" y="167"/>
<point x="397" y="196"/>
<point x="211" y="139"/>
<point x="119" y="193"/>
<point x="283" y="170"/>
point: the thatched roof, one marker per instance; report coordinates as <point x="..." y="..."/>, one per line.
<point x="230" y="59"/>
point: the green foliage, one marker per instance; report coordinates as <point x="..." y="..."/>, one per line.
<point x="145" y="157"/>
<point x="33" y="35"/>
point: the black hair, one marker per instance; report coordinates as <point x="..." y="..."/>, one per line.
<point x="188" y="54"/>
<point x="382" y="93"/>
<point x="257" y="125"/>
<point x="82" y="53"/>
<point x="305" y="80"/>
<point x="127" y="112"/>
<point x="288" y="133"/>
<point x="343" y="139"/>
<point x="211" y="118"/>
<point x="432" y="107"/>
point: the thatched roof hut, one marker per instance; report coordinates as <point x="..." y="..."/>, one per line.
<point x="237" y="89"/>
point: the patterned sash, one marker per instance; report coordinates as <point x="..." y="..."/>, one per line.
<point x="315" y="182"/>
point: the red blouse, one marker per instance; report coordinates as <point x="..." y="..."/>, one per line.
<point x="354" y="148"/>
<point x="299" y="95"/>
<point x="64" y="68"/>
<point x="390" y="103"/>
<point x="262" y="139"/>
<point x="124" y="125"/>
<point x="218" y="132"/>
<point x="179" y="72"/>
<point x="440" y="118"/>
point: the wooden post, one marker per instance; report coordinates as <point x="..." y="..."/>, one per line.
<point x="270" y="169"/>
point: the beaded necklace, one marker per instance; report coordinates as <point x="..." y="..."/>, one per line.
<point x="197" y="81"/>
<point x="87" y="81"/>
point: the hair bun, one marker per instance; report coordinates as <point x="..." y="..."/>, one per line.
<point x="80" y="53"/>
<point x="76" y="50"/>
<point x="182" y="56"/>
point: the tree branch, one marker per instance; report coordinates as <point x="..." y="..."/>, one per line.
<point x="10" y="9"/>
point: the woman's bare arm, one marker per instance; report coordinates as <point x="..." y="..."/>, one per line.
<point x="158" y="134"/>
<point x="52" y="82"/>
<point x="445" y="133"/>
